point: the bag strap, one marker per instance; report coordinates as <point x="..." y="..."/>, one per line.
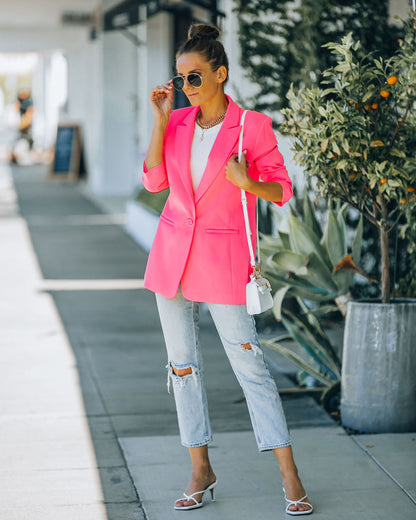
<point x="244" y="203"/>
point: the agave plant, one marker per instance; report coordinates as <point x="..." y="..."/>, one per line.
<point x="317" y="269"/>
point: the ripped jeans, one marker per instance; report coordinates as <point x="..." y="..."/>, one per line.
<point x="180" y="323"/>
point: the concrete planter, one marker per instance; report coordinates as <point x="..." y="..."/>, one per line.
<point x="378" y="389"/>
<point x="141" y="223"/>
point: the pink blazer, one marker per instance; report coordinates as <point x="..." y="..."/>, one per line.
<point x="201" y="240"/>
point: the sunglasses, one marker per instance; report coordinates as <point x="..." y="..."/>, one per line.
<point x="194" y="79"/>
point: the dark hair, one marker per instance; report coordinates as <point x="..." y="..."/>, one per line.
<point x="202" y="38"/>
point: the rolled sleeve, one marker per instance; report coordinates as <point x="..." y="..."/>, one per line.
<point x="269" y="161"/>
<point x="155" y="179"/>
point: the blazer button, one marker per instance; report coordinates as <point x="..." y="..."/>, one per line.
<point x="189" y="221"/>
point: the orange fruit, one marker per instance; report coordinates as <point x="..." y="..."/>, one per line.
<point x="352" y="176"/>
<point x="367" y="107"/>
<point x="383" y="181"/>
<point x="374" y="106"/>
<point x="351" y="102"/>
<point x="403" y="200"/>
<point x="384" y="93"/>
<point x="392" y="80"/>
<point x="410" y="190"/>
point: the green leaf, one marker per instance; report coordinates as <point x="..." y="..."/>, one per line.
<point x="300" y="287"/>
<point x="397" y="153"/>
<point x="322" y="338"/>
<point x="304" y="240"/>
<point x="284" y="237"/>
<point x="393" y="183"/>
<point x="342" y="164"/>
<point x="333" y="239"/>
<point x="290" y="261"/>
<point x="298" y="360"/>
<point x="319" y="275"/>
<point x="346" y="146"/>
<point x="343" y="67"/>
<point x="278" y="301"/>
<point x="341" y="218"/>
<point x="324" y="309"/>
<point x="343" y="279"/>
<point x="309" y="216"/>
<point x="328" y="91"/>
<point x="357" y="242"/>
<point x="310" y="338"/>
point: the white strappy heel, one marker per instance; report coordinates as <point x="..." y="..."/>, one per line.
<point x="296" y="503"/>
<point x="192" y="497"/>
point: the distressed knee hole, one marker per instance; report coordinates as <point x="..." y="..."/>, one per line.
<point x="250" y="347"/>
<point x="180" y="374"/>
<point x="182" y="371"/>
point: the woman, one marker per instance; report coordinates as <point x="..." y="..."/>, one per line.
<point x="200" y="251"/>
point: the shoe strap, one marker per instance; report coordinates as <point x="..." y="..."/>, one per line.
<point x="191" y="497"/>
<point x="296" y="502"/>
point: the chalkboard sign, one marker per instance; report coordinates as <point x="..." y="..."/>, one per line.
<point x="68" y="163"/>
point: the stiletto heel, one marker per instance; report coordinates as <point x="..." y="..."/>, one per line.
<point x="192" y="497"/>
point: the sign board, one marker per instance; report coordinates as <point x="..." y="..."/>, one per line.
<point x="68" y="163"/>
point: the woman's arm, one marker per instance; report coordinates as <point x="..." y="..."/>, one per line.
<point x="161" y="99"/>
<point x="237" y="174"/>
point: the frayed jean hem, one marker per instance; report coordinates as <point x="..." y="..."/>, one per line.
<point x="196" y="445"/>
<point x="273" y="447"/>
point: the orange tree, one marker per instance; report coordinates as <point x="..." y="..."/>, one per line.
<point x="356" y="135"/>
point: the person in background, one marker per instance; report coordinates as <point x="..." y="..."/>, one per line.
<point x="24" y="105"/>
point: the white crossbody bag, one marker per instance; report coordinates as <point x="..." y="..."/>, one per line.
<point x="258" y="290"/>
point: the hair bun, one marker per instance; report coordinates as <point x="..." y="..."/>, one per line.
<point x="202" y="30"/>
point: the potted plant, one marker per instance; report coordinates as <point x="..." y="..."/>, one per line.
<point x="356" y="137"/>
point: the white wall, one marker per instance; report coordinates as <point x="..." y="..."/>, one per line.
<point x="39" y="39"/>
<point x="399" y="8"/>
<point x="85" y="99"/>
<point x="155" y="68"/>
<point x="117" y="159"/>
<point x="238" y="84"/>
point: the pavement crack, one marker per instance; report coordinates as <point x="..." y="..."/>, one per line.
<point x="385" y="470"/>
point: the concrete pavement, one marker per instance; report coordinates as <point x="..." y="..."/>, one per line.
<point x="87" y="428"/>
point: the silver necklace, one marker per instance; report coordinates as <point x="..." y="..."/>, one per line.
<point x="210" y="125"/>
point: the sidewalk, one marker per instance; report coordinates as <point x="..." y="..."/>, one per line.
<point x="87" y="428"/>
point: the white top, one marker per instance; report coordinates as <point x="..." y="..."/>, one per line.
<point x="200" y="151"/>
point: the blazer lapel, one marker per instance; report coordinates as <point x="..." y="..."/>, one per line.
<point x="183" y="142"/>
<point x="226" y="140"/>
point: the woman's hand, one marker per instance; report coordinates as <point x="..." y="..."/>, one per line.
<point x="236" y="172"/>
<point x="161" y="100"/>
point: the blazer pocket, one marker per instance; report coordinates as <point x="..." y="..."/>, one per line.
<point x="222" y="231"/>
<point x="167" y="220"/>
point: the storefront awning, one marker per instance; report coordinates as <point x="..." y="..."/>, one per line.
<point x="132" y="12"/>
